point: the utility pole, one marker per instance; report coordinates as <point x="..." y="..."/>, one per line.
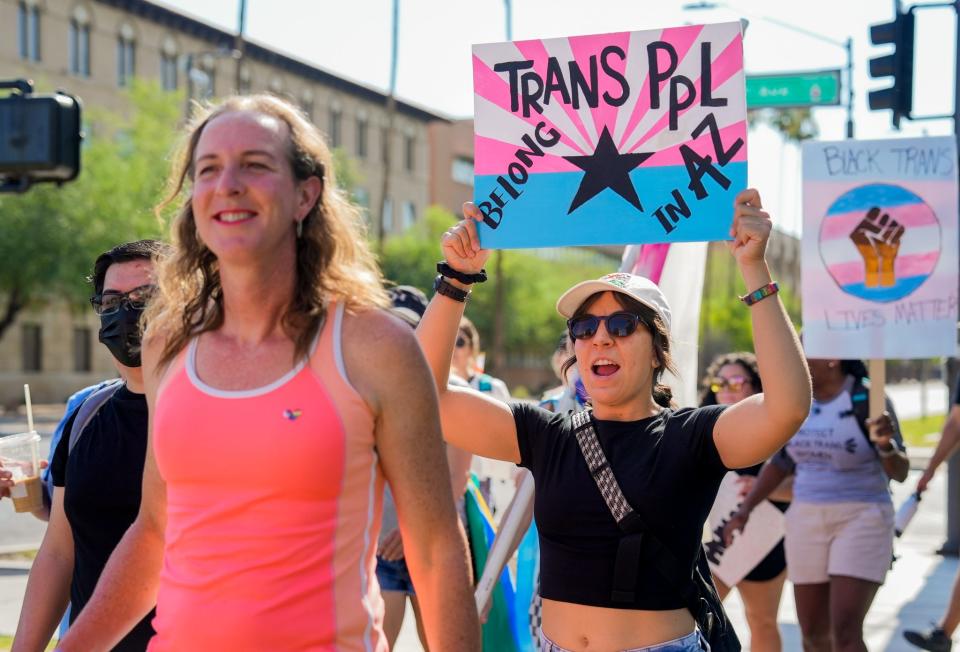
<point x="951" y="547"/>
<point x="391" y="123"/>
<point x="848" y="45"/>
<point x="499" y="289"/>
<point x="238" y="44"/>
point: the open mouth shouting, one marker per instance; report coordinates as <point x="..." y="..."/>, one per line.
<point x="604" y="367"/>
<point x="234" y="216"/>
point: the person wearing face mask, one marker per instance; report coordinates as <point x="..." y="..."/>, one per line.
<point x="96" y="470"/>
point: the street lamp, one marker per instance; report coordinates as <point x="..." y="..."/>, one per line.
<point x="847" y="45"/>
<point x="199" y="77"/>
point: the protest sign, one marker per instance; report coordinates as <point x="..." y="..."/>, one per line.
<point x="623" y="138"/>
<point x="879" y="269"/>
<point x="763" y="531"/>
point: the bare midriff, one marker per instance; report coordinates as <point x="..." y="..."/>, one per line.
<point x="583" y="628"/>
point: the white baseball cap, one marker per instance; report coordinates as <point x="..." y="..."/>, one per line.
<point x="636" y="287"/>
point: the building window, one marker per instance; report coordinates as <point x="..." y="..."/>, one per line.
<point x="168" y="72"/>
<point x="126" y="52"/>
<point x="80" y="43"/>
<point x="306" y="104"/>
<point x="28" y="29"/>
<point x="246" y="83"/>
<point x="361" y="197"/>
<point x="168" y="65"/>
<point x="462" y="170"/>
<point x="362" y="137"/>
<point x="31" y="347"/>
<point x="82" y="350"/>
<point x="408" y="215"/>
<point x="409" y="153"/>
<point x="336" y="118"/>
<point x="387" y="216"/>
<point x="203" y="78"/>
<point x="385" y="146"/>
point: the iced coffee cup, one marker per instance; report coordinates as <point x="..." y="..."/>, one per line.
<point x="20" y="454"/>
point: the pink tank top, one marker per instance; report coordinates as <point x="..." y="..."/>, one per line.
<point x="273" y="507"/>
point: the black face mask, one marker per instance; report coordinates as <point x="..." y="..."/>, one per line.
<point x="120" y="333"/>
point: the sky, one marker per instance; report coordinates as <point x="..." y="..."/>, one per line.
<point x="352" y="39"/>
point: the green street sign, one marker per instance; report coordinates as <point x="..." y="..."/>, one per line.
<point x="793" y="89"/>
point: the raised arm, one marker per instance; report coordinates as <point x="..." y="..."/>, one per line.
<point x="127" y="589"/>
<point x="470" y="420"/>
<point x="753" y="429"/>
<point x="48" y="589"/>
<point x="378" y="353"/>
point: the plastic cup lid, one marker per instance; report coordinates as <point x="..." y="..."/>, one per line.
<point x="19" y="439"/>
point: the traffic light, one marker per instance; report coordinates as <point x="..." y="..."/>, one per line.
<point x="39" y="137"/>
<point x="898" y="64"/>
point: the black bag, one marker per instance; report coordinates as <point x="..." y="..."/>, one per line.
<point x="696" y="583"/>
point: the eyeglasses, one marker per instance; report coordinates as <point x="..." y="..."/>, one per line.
<point x="619" y="324"/>
<point x="110" y="302"/>
<point x="461" y="342"/>
<point x="732" y="384"/>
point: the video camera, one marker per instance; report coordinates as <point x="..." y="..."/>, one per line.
<point x="39" y="137"/>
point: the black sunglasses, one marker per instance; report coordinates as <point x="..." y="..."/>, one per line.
<point x="619" y="324"/>
<point x="110" y="302"/>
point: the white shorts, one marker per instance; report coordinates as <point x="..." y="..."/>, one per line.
<point x="848" y="539"/>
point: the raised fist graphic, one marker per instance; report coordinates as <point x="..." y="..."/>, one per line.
<point x="877" y="238"/>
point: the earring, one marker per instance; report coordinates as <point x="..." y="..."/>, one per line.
<point x="299" y="228"/>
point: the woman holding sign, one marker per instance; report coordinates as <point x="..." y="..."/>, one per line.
<point x="731" y="378"/>
<point x="839" y="528"/>
<point x="616" y="566"/>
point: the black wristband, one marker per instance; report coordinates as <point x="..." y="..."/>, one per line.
<point x="441" y="286"/>
<point x="443" y="268"/>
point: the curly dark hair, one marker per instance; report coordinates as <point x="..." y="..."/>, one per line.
<point x="745" y="359"/>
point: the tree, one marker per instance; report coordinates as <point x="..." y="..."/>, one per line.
<point x="796" y="125"/>
<point x="50" y="236"/>
<point x="725" y="323"/>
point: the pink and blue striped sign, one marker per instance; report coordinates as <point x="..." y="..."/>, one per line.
<point x="624" y="138"/>
<point x="880" y="261"/>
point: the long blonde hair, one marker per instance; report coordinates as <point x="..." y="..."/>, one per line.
<point x="333" y="260"/>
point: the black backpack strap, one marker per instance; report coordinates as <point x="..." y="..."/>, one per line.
<point x="88" y="409"/>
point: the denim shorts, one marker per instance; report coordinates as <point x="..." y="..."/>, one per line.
<point x="692" y="642"/>
<point x="394" y="576"/>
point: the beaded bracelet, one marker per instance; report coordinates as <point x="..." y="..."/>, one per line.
<point x="759" y="295"/>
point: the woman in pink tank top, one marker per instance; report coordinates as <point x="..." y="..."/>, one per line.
<point x="276" y="417"/>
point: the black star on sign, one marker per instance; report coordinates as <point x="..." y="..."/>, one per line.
<point x="606" y="168"/>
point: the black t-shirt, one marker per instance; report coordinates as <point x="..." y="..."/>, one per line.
<point x="956" y="397"/>
<point x="669" y="470"/>
<point x="102" y="481"/>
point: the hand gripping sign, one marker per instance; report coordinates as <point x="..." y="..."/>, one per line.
<point x="880" y="248"/>
<point x="618" y="138"/>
